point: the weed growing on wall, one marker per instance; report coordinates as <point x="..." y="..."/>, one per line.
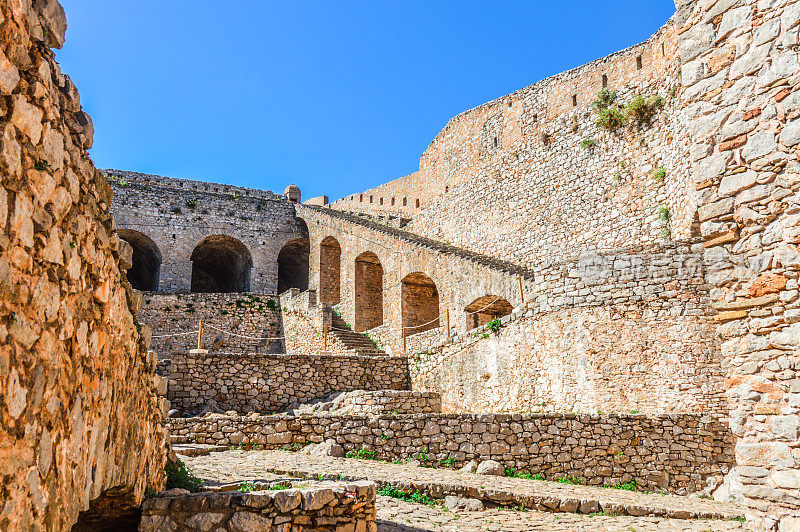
<point x="42" y="166"/>
<point x="180" y="477"/>
<point x="610" y="119"/>
<point x="588" y="143"/>
<point x="493" y="325"/>
<point x="659" y="174"/>
<point x="191" y="203"/>
<point x="604" y="99"/>
<point x="641" y="110"/>
<point x="364" y="454"/>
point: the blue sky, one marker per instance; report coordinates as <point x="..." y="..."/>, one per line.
<point x="333" y="96"/>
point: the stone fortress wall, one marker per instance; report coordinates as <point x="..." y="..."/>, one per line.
<point x="180" y="224"/>
<point x="511" y="179"/>
<point x="81" y="425"/>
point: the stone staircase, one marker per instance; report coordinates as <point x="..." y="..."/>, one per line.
<point x="359" y="343"/>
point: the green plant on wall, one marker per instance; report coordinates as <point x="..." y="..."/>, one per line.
<point x="191" y="203"/>
<point x="42" y="166"/>
<point x="663" y="213"/>
<point x="493" y="325"/>
<point x="588" y="143"/>
<point x="659" y="174"/>
<point x="641" y="110"/>
<point x="610" y="119"/>
<point x="604" y="99"/>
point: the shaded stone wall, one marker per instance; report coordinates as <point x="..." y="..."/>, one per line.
<point x="742" y="93"/>
<point x="80" y="422"/>
<point x="677" y="452"/>
<point x="171" y="316"/>
<point x="269" y="383"/>
<point x="303" y="325"/>
<point x="178" y="214"/>
<point x="512" y="179"/>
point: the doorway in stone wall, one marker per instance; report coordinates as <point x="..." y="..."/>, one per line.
<point x="144" y="273"/>
<point x="485" y="309"/>
<point x="293" y="265"/>
<point x="330" y="268"/>
<point x="221" y="263"/>
<point x="419" y="303"/>
<point x="368" y="292"/>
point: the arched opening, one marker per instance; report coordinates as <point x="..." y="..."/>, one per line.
<point x="293" y="265"/>
<point x="143" y="275"/>
<point x="485" y="309"/>
<point x="368" y="292"/>
<point x="419" y="303"/>
<point x="330" y="267"/>
<point x="221" y="263"/>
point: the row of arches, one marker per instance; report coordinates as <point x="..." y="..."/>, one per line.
<point x="419" y="297"/>
<point x="220" y="263"/>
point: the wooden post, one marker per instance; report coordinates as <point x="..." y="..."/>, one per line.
<point x="447" y="320"/>
<point x="521" y="292"/>
<point x="325" y="337"/>
<point x="403" y="329"/>
<point x="200" y="336"/>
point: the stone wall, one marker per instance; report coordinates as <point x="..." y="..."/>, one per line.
<point x="677" y="452"/>
<point x="80" y="422"/>
<point x="512" y="179"/>
<point x="303" y="325"/>
<point x="625" y="358"/>
<point x="176" y="215"/>
<point x="362" y="402"/>
<point x="742" y="94"/>
<point x="172" y="316"/>
<point x="329" y="506"/>
<point x="269" y="383"/>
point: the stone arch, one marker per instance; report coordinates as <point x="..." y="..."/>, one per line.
<point x="368" y="292"/>
<point x="221" y="263"/>
<point x="144" y="273"/>
<point x="293" y="265"/>
<point x="419" y="303"/>
<point x="485" y="309"/>
<point x="330" y="271"/>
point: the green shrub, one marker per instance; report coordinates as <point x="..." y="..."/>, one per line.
<point x="610" y="119"/>
<point x="641" y="110"/>
<point x="191" y="203"/>
<point x="493" y="325"/>
<point x="659" y="173"/>
<point x="412" y="496"/>
<point x="604" y="99"/>
<point x="663" y="214"/>
<point x="568" y="479"/>
<point x="587" y="143"/>
<point x="42" y="166"/>
<point x="180" y="477"/>
<point x="364" y="454"/>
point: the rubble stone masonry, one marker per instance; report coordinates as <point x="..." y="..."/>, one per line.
<point x="270" y="383"/>
<point x="674" y="452"/>
<point x="80" y="422"/>
<point x="741" y="80"/>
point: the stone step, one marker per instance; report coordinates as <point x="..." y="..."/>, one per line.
<point x="496" y="490"/>
<point x="196" y="449"/>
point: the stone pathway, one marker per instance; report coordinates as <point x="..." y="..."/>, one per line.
<point x="553" y="506"/>
<point x="400" y="516"/>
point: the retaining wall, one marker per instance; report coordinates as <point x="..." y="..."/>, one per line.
<point x="269" y="383"/>
<point x="672" y="451"/>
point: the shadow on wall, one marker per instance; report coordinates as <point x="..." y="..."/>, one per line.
<point x="221" y="263"/>
<point x="144" y="273"/>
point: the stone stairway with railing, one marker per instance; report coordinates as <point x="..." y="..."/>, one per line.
<point x="357" y="342"/>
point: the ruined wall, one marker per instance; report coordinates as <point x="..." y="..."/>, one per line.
<point x="303" y="325"/>
<point x="677" y="452"/>
<point x="512" y="179"/>
<point x="740" y="73"/>
<point x="269" y="383"/>
<point x="80" y="422"/>
<point x="178" y="214"/>
<point x="251" y="317"/>
<point x="319" y="508"/>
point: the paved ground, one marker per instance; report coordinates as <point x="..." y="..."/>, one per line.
<point x="563" y="501"/>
